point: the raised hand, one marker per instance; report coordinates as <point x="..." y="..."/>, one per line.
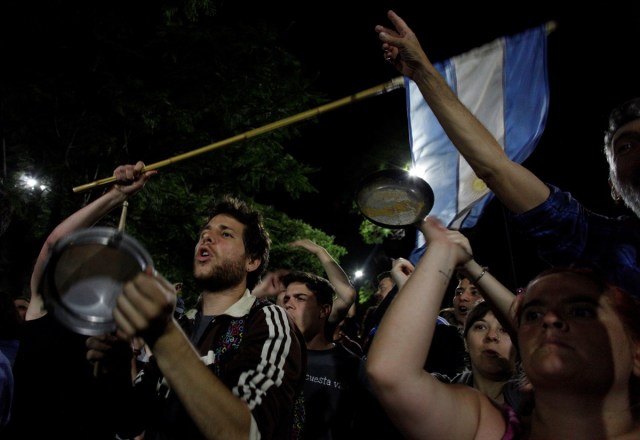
<point x="401" y="46"/>
<point x="145" y="307"/>
<point x="434" y="231"/>
<point x="130" y="178"/>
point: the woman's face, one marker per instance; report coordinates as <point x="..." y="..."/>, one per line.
<point x="570" y="335"/>
<point x="491" y="351"/>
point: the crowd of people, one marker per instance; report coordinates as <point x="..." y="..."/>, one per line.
<point x="278" y="353"/>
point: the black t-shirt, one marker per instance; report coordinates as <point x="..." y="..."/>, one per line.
<point x="332" y="391"/>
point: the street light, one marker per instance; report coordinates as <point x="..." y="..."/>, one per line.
<point x="31" y="183"/>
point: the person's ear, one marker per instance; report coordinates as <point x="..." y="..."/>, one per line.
<point x="252" y="264"/>
<point x="325" y="311"/>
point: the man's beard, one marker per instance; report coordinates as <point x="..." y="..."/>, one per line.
<point x="629" y="194"/>
<point x="221" y="277"/>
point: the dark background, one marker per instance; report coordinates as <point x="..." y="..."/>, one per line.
<point x="591" y="58"/>
<point x="592" y="65"/>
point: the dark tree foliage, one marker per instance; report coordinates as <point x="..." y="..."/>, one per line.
<point x="87" y="86"/>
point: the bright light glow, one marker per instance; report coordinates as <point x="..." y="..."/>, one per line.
<point x="416" y="171"/>
<point x="31" y="183"/>
<point x="359" y="273"/>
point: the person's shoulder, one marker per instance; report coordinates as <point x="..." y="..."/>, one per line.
<point x="263" y="302"/>
<point x="267" y="309"/>
<point x="266" y="306"/>
<point x="448" y="315"/>
<point x="273" y="316"/>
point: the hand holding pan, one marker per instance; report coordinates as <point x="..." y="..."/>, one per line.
<point x="394" y="199"/>
<point x="85" y="273"/>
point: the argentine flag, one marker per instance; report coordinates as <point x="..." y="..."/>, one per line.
<point x="504" y="84"/>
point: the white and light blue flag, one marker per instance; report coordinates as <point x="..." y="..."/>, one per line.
<point x="504" y="84"/>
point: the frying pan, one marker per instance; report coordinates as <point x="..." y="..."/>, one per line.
<point x="84" y="274"/>
<point x="394" y="199"/>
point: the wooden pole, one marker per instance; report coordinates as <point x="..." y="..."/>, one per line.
<point x="373" y="91"/>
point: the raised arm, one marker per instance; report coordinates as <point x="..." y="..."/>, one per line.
<point x="130" y="179"/>
<point x="345" y="292"/>
<point x="495" y="293"/>
<point x="420" y="405"/>
<point x="270" y="284"/>
<point x="515" y="186"/>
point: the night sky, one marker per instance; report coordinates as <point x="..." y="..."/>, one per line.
<point x="591" y="56"/>
<point x="592" y="66"/>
